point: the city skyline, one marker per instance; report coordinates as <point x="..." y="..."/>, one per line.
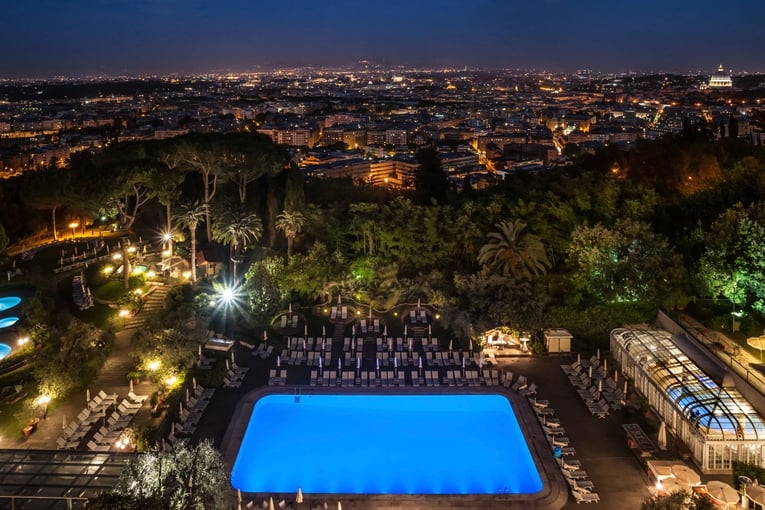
<point x="111" y="38"/>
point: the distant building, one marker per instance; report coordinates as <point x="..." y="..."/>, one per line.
<point x="720" y="79"/>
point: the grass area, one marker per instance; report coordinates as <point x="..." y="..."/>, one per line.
<point x="112" y="290"/>
<point x="101" y="316"/>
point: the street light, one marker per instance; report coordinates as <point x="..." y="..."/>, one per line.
<point x="124" y="313"/>
<point x="73" y="225"/>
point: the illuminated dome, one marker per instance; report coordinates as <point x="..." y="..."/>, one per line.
<point x="720" y="79"/>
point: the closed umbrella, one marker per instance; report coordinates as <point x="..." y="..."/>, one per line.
<point x="339" y="363"/>
<point x="271" y="504"/>
<point x="265" y="335"/>
<point x="324" y="331"/>
<point x="188" y="396"/>
<point x="722" y="492"/>
<point x="353" y="330"/>
<point x="194" y="382"/>
<point x="390" y="344"/>
<point x="430" y="331"/>
<point x="686" y="474"/>
<point x="278" y="361"/>
<point x="418" y="303"/>
<point x="87" y="395"/>
<point x="377" y="364"/>
<point x="385" y="330"/>
<point x="405" y="331"/>
<point x="290" y="308"/>
<point x="358" y="362"/>
<point x="616" y="376"/>
<point x="320" y="362"/>
<point x="470" y="345"/>
<point x="395" y="361"/>
<point x="353" y="344"/>
<point x="410" y="344"/>
<point x="299" y="497"/>
<point x="233" y="360"/>
<point x="578" y="358"/>
<point x="662" y="438"/>
<point x="597" y="355"/>
<point x="450" y="346"/>
<point x="305" y="331"/>
<point x="605" y="366"/>
<point x="63" y="424"/>
<point x="130" y="384"/>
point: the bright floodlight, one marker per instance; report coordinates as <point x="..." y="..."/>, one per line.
<point x="227" y="295"/>
<point x="167" y="236"/>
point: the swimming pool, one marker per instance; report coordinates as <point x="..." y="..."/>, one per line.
<point x="5" y="350"/>
<point x="6" y="303"/>
<point x="385" y="444"/>
<point x="7" y="322"/>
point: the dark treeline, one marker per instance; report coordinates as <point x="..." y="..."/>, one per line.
<point x="588" y="247"/>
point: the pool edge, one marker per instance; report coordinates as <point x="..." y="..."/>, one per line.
<point x="553" y="496"/>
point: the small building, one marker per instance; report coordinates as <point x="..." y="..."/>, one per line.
<point x="558" y="340"/>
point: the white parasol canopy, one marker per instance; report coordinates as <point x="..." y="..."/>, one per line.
<point x="686" y="474"/>
<point x="670" y="485"/>
<point x="662" y="438"/>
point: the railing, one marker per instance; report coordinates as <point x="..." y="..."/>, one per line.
<point x="70" y="501"/>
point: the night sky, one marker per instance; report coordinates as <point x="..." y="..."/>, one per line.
<point x="44" y="38"/>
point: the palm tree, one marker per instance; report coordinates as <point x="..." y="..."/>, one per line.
<point x="290" y="223"/>
<point x="190" y="216"/>
<point x="237" y="229"/>
<point x="515" y="252"/>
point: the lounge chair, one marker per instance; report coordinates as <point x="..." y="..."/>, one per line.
<point x="570" y="464"/>
<point x="93" y="447"/>
<point x="582" y="486"/>
<point x="529" y="391"/>
<point x="138" y="399"/>
<point x="520" y="383"/>
<point x="574" y="475"/>
<point x="586" y="498"/>
<point x="333" y="313"/>
<point x="554" y="431"/>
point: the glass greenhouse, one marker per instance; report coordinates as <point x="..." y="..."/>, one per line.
<point x="716" y="423"/>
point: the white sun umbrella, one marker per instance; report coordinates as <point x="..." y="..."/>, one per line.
<point x="194" y="382"/>
<point x="63" y="423"/>
<point x="265" y="335"/>
<point x="228" y="365"/>
<point x="600" y="386"/>
<point x="188" y="395"/>
<point x="418" y="303"/>
<point x="430" y="331"/>
<point x="625" y="387"/>
<point x="390" y="344"/>
<point x="199" y="350"/>
<point x="278" y="361"/>
<point x="463" y="362"/>
<point x="290" y="308"/>
<point x="305" y="347"/>
<point x="722" y="492"/>
<point x="358" y="362"/>
<point x="233" y="360"/>
<point x="578" y="358"/>
<point x="385" y="330"/>
<point x="324" y="331"/>
<point x="353" y="330"/>
<point x="377" y="364"/>
<point x="305" y="331"/>
<point x="289" y="343"/>
<point x="339" y="506"/>
<point x="616" y="377"/>
<point x="180" y="407"/>
<point x="470" y="345"/>
<point x="686" y="474"/>
<point x="589" y="372"/>
<point x="605" y="366"/>
<point x="353" y="344"/>
<point x="323" y="344"/>
<point x="410" y="344"/>
<point x="299" y="497"/>
<point x="419" y="361"/>
<point x="405" y="331"/>
<point x="130" y="384"/>
<point x="597" y="355"/>
<point x="271" y="504"/>
<point x="395" y="361"/>
<point x="338" y="299"/>
<point x="87" y="395"/>
<point x="450" y="345"/>
<point x="320" y="362"/>
<point x="370" y="312"/>
<point x="239" y="499"/>
<point x="339" y="363"/>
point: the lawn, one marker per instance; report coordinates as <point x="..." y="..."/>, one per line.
<point x="112" y="291"/>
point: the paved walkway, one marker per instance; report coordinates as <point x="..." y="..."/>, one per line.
<point x="112" y="379"/>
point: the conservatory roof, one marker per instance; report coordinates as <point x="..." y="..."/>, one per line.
<point x="719" y="413"/>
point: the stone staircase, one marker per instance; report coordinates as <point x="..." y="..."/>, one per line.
<point x="155" y="302"/>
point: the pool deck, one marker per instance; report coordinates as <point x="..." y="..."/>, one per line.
<point x="619" y="476"/>
<point x="553" y="495"/>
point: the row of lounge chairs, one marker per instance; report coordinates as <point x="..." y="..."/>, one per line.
<point x="289" y="320"/>
<point x="600" y="399"/>
<point x="373" y="327"/>
<point x="581" y="488"/>
<point x="235" y="376"/>
<point x="263" y="351"/>
<point x="338" y="312"/>
<point x="418" y="316"/>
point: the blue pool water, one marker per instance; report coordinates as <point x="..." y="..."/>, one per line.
<point x="385" y="444"/>
<point x="5" y="350"/>
<point x="7" y="322"/>
<point x="6" y="303"/>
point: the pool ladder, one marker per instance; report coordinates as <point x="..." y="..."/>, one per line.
<point x="297" y="395"/>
